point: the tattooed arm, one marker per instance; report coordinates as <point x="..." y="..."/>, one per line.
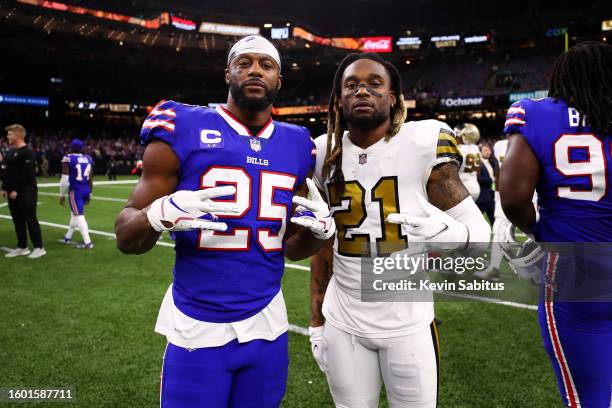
<point x="446" y="192"/>
<point x="444" y="187"/>
<point x="321" y="269"/>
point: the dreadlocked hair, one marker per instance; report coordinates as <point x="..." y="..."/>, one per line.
<point x="582" y="78"/>
<point x="336" y="124"/>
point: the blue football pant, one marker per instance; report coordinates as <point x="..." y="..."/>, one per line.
<point x="77" y="200"/>
<point x="236" y="375"/>
<point x="578" y="339"/>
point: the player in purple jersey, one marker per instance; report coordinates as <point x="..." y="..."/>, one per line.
<point x="77" y="181"/>
<point x="561" y="147"/>
<point x="224" y="180"/>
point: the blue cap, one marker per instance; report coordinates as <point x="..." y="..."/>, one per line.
<point x="76" y="144"/>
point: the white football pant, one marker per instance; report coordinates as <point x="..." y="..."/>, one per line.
<point x="408" y="365"/>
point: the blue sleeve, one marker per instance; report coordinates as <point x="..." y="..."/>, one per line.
<point x="522" y="118"/>
<point x="309" y="156"/>
<point x="161" y="124"/>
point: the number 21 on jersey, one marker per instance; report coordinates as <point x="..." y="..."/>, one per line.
<point x="385" y="193"/>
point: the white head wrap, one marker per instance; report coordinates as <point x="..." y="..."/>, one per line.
<point x="254" y="44"/>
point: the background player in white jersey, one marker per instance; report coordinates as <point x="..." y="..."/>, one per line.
<point x="77" y="181"/>
<point x="468" y="136"/>
<point x="375" y="177"/>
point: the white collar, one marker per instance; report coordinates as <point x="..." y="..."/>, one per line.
<point x="242" y="130"/>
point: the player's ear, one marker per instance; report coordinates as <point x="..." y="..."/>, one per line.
<point x="279" y="82"/>
<point x="392" y="98"/>
<point x="227" y="76"/>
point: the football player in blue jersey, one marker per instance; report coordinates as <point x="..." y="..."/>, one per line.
<point x="224" y="180"/>
<point x="561" y="147"/>
<point x="77" y="181"/>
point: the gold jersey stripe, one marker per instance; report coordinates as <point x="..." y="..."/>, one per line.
<point x="447" y="137"/>
<point x="448" y="150"/>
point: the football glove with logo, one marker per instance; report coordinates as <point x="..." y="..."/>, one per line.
<point x="316" y="345"/>
<point x="438" y="230"/>
<point x="189" y="210"/>
<point x="314" y="214"/>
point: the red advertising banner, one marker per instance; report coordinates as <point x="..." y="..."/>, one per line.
<point x="154" y="23"/>
<point x="367" y="44"/>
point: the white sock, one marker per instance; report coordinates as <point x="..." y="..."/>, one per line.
<point x="83" y="228"/>
<point x="496" y="256"/>
<point x="71" y="227"/>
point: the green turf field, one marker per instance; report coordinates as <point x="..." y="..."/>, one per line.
<point x="85" y="319"/>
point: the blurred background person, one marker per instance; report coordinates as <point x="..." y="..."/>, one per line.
<point x="19" y="186"/>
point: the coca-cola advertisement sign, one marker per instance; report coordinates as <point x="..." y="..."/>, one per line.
<point x="376" y="44"/>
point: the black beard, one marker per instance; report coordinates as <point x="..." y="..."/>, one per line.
<point x="366" y="122"/>
<point x="252" y="104"/>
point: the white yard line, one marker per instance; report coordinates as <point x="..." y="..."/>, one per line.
<point x="93" y="197"/>
<point x="95" y="183"/>
<point x="492" y="300"/>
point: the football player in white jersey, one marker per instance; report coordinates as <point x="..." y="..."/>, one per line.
<point x="468" y="136"/>
<point x="386" y="181"/>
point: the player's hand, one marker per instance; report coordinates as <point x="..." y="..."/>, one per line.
<point x="191" y="210"/>
<point x="438" y="230"/>
<point x="62" y="200"/>
<point x="314" y="214"/>
<point x="13" y="195"/>
<point x="316" y="345"/>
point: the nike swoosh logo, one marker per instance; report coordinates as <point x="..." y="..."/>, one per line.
<point x="439" y="232"/>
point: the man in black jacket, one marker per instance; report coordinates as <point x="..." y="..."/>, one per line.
<point x="19" y="185"/>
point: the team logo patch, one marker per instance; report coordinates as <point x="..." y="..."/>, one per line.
<point x="210" y="139"/>
<point x="363" y="158"/>
<point x="255" y="144"/>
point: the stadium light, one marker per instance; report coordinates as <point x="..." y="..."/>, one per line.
<point x="268" y="25"/>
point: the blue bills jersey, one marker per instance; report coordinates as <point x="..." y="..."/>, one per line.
<point x="223" y="277"/>
<point x="80" y="170"/>
<point x="574" y="197"/>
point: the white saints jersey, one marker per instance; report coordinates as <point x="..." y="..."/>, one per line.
<point x="379" y="180"/>
<point x="470" y="168"/>
<point x="499" y="150"/>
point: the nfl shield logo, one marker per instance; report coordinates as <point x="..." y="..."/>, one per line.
<point x="255" y="144"/>
<point x="363" y="158"/>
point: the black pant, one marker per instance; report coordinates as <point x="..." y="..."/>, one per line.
<point x="23" y="211"/>
<point x="486" y="203"/>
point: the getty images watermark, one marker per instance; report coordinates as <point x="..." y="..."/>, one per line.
<point x="417" y="272"/>
<point x="413" y="265"/>
<point x="568" y="272"/>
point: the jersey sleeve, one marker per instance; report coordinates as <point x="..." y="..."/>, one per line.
<point x="161" y="124"/>
<point x="522" y="119"/>
<point x="320" y="148"/>
<point x="517" y="119"/>
<point x="66" y="160"/>
<point x="441" y="145"/>
<point x="447" y="148"/>
<point x="309" y="156"/>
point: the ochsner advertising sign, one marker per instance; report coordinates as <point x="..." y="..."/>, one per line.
<point x="454" y="102"/>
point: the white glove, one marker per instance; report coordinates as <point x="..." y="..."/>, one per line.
<point x="314" y="214"/>
<point x="438" y="230"/>
<point x="316" y="345"/>
<point x="181" y="211"/>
